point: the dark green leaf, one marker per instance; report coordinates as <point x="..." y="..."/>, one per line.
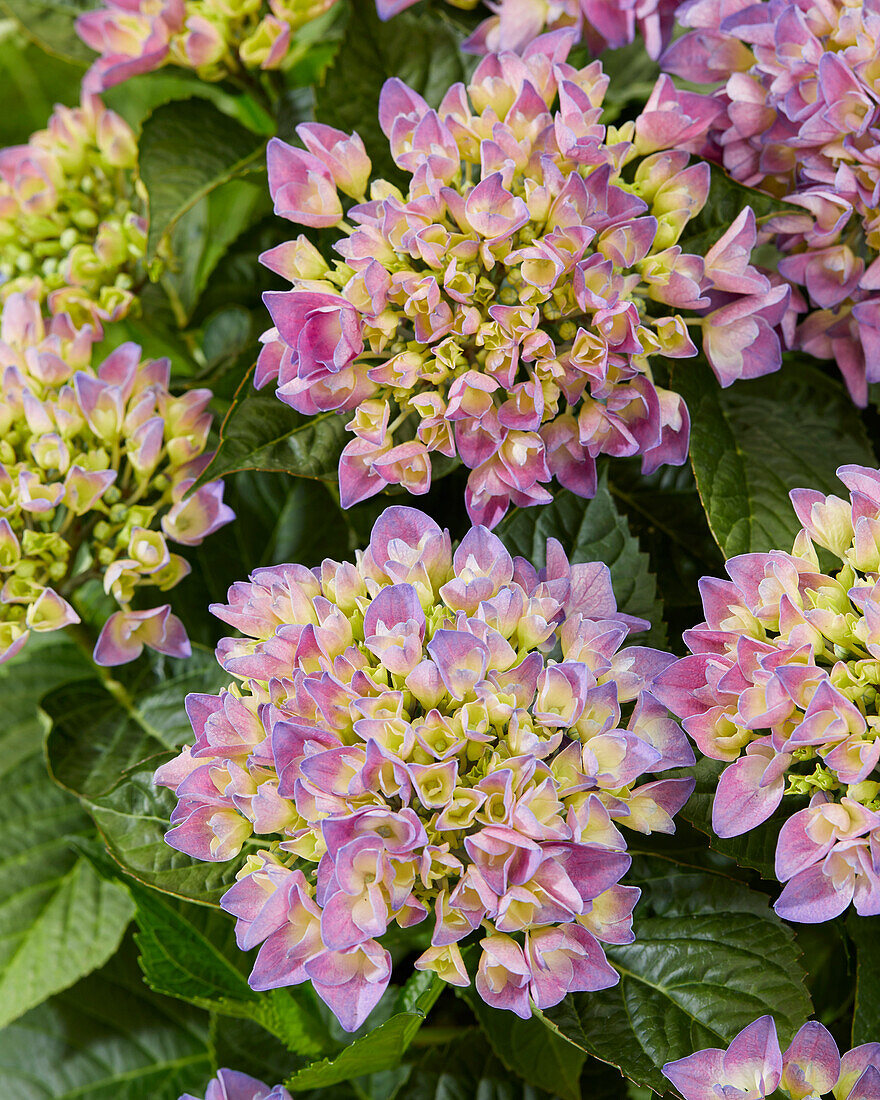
<point x="709" y="957"/>
<point x="103" y="728"/>
<point x="529" y="1051"/>
<point x="249" y="1048"/>
<point x="418" y="47"/>
<point x="752" y="443"/>
<point x="865" y="931"/>
<point x="382" y="1048"/>
<point x="187" y="149"/>
<point x="468" y="1070"/>
<point x="262" y="433"/>
<point x="590" y="530"/>
<point x="50" y="23"/>
<point x="108" y="1038"/>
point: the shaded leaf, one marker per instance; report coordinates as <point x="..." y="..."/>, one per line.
<point x="865" y="931"/>
<point x="529" y="1051"/>
<point x="187" y="149"/>
<point x="35" y="82"/>
<point x="465" y="1070"/>
<point x="108" y="1038"/>
<point x="384" y="1046"/>
<point x="752" y="443"/>
<point x="262" y="433"/>
<point x="590" y="530"/>
<point x="708" y="960"/>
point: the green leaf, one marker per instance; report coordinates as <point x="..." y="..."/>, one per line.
<point x="58" y="919"/>
<point x="103" y="728"/>
<point x="262" y="433"/>
<point x="752" y="443"/>
<point x="590" y="530"/>
<point x="727" y="199"/>
<point x="709" y="957"/>
<point x="419" y="48"/>
<point x="108" y="1038"/>
<point x="188" y="954"/>
<point x="202" y="235"/>
<point x="527" y="1049"/>
<point x="50" y="23"/>
<point x="187" y="149"/>
<point x="468" y="1070"/>
<point x="382" y="1048"/>
<point x="33" y="81"/>
<point x="865" y="932"/>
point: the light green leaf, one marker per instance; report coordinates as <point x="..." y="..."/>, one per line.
<point x="382" y="1048"/>
<point x="187" y="149"/>
<point x="58" y="919"/>
<point x="50" y="23"/>
<point x="709" y="957"/>
<point x="262" y="433"/>
<point x="752" y="443"/>
<point x="108" y="1038"/>
<point x="591" y="530"/>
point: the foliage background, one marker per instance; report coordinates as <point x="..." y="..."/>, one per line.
<point x="118" y="974"/>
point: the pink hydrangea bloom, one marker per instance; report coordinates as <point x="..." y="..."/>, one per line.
<point x="506" y="308"/>
<point x="212" y="37"/>
<point x="70" y="231"/>
<point x="782" y="685"/>
<point x="799" y="89"/>
<point x="94" y="462"/>
<point x="403" y="744"/>
<point x="229" y="1084"/>
<point x="753" y="1067"/>
<point x="601" y="24"/>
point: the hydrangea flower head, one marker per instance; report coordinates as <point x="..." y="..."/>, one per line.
<point x="782" y="683"/>
<point x="506" y="308"/>
<point x="229" y="1084"/>
<point x="95" y="465"/>
<point x="601" y="24"/>
<point x="215" y="38"/>
<point x="753" y="1067"/>
<point x="404" y="747"/>
<point x="799" y="85"/>
<point x="69" y="231"/>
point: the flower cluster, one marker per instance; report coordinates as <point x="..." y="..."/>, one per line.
<point x="215" y="38"/>
<point x="801" y="119"/>
<point x="753" y="1067"/>
<point x="95" y="466"/>
<point x="69" y="232"/>
<point x="783" y="682"/>
<point x="402" y="745"/>
<point x="506" y="308"/>
<point x="229" y="1084"/>
<point x="601" y="24"/>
